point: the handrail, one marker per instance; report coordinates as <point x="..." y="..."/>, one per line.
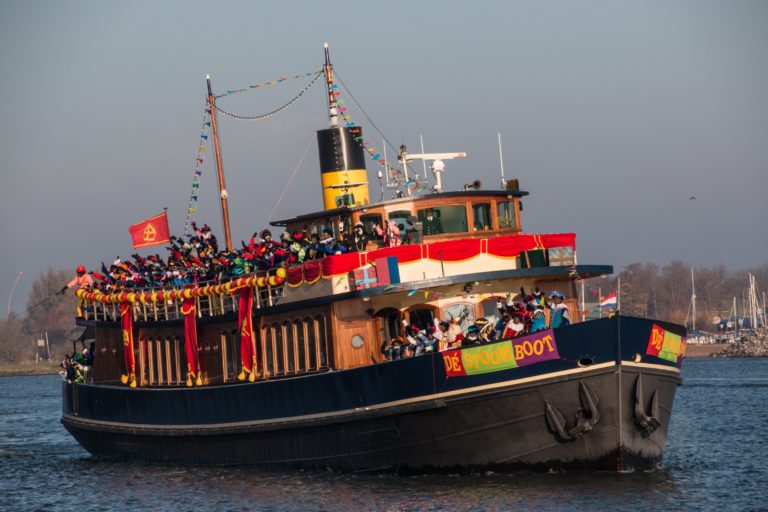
<point x="211" y="299"/>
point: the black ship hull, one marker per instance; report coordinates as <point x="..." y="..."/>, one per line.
<point x="604" y="404"/>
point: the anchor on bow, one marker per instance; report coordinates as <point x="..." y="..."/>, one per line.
<point x="586" y="417"/>
<point x="648" y="423"/>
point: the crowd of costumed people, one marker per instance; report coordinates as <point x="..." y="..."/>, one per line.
<point x="197" y="259"/>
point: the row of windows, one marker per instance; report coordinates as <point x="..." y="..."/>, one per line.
<point x="423" y="316"/>
<point x="161" y="361"/>
<point x="296" y="346"/>
<point x="437" y="220"/>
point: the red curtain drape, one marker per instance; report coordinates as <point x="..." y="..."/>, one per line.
<point x="126" y="320"/>
<point x="247" y="338"/>
<point x="188" y="309"/>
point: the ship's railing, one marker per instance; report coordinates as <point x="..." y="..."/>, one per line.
<point x="164" y="303"/>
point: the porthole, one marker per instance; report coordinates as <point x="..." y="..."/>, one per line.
<point x="357" y="341"/>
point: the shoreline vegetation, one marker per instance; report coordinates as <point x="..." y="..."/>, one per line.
<point x="41" y="368"/>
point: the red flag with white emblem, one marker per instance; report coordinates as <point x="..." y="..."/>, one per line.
<point x="153" y="231"/>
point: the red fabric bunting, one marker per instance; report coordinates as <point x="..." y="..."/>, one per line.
<point x="559" y="240"/>
<point x="455" y="250"/>
<point x="342" y="264"/>
<point x="294" y="275"/>
<point x="404" y="253"/>
<point x="510" y="246"/>
<point x="312" y="271"/>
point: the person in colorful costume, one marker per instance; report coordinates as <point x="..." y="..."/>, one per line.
<point x="81" y="280"/>
<point x="558" y="316"/>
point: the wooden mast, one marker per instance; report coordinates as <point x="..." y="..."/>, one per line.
<point x="219" y="168"/>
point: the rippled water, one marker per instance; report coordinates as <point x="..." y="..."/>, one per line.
<point x="717" y="459"/>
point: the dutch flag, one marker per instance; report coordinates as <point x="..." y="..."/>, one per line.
<point x="608" y="301"/>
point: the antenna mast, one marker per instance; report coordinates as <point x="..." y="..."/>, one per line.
<point x="333" y="109"/>
<point x="501" y="164"/>
<point x="223" y="196"/>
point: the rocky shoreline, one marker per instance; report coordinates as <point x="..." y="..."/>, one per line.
<point x="754" y="344"/>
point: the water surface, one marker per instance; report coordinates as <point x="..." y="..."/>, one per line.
<point x="717" y="459"/>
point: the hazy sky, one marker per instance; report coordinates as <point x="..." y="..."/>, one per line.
<point x="612" y="115"/>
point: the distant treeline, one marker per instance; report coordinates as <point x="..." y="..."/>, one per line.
<point x="665" y="292"/>
<point x="646" y="290"/>
<point x="46" y="312"/>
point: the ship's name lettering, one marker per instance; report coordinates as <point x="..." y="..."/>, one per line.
<point x="452" y="362"/>
<point x="500" y="354"/>
<point x="535" y="347"/>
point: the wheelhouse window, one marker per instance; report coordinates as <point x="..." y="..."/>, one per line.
<point x="443" y="219"/>
<point x="400" y="217"/>
<point x="481" y="217"/>
<point x="506" y="211"/>
<point x="368" y="221"/>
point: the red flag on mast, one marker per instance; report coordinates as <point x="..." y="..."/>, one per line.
<point x="153" y="231"/>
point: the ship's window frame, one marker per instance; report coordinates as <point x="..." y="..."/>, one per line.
<point x="465" y="323"/>
<point x="418" y="308"/>
<point x="388" y="319"/>
<point x="400" y="217"/>
<point x="168" y="353"/>
<point x="368" y="220"/>
<point x="509" y="208"/>
<point x="447" y="227"/>
<point x="180" y="358"/>
<point x="290" y="348"/>
<point x="488" y="213"/>
<point x="493" y="317"/>
<point x="269" y="351"/>
<point x="301" y="340"/>
<point x="311" y="344"/>
<point x="159" y="363"/>
<point x="277" y="333"/>
<point x="322" y="342"/>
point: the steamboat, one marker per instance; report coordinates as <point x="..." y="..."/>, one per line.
<point x="285" y="368"/>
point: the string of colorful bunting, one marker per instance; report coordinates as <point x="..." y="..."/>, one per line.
<point x="199" y="161"/>
<point x="259" y="117"/>
<point x="266" y="84"/>
<point x="416" y="185"/>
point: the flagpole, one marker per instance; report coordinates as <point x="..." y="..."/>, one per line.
<point x="600" y="300"/>
<point x="618" y="295"/>
<point x="219" y="167"/>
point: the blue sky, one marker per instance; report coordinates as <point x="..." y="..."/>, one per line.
<point x="612" y="115"/>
